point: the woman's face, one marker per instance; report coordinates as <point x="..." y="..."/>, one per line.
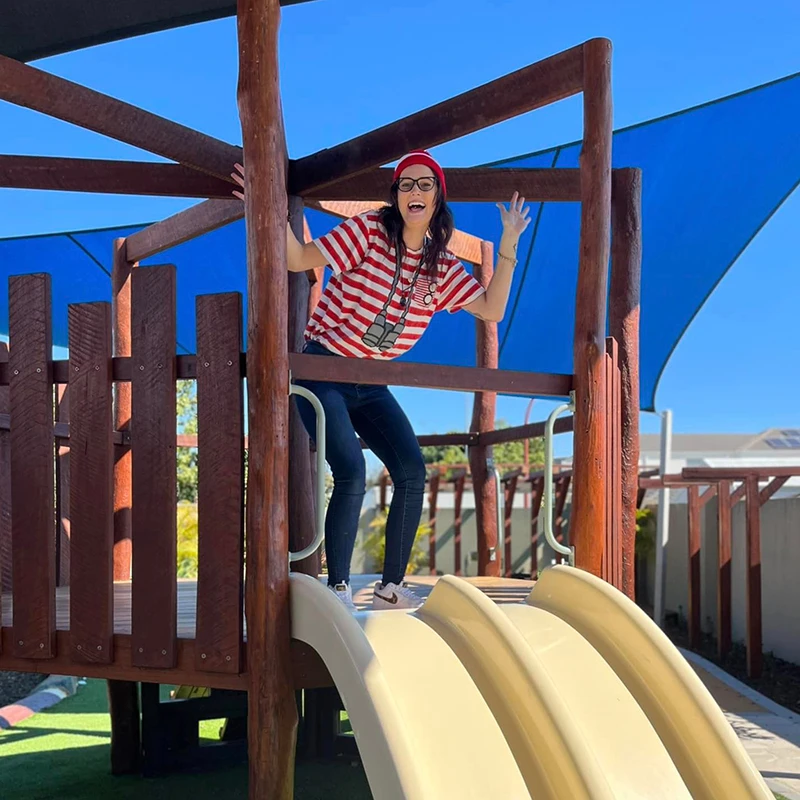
<point x="417" y="204"/>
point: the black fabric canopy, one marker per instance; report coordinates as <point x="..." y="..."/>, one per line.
<point x="32" y="29"/>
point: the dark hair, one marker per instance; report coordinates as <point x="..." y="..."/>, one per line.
<point x="441" y="229"/>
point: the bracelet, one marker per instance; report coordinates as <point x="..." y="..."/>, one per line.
<point x="512" y="260"/>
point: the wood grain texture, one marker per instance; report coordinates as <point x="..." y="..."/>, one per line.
<point x="591" y="471"/>
<point x="624" y="309"/>
<point x="517" y="433"/>
<point x="753" y="556"/>
<point x="724" y="560"/>
<point x="531" y="87"/>
<point x="220" y="417"/>
<point x="464" y="185"/>
<point x="695" y="631"/>
<point x="5" y="484"/>
<point x="179" y="228"/>
<point x="109" y="177"/>
<point x="484" y="409"/>
<point x="612" y="554"/>
<point x="121" y="347"/>
<point x="32" y="466"/>
<point x="91" y="484"/>
<point x="428" y="376"/>
<point x="33" y="88"/>
<point x="153" y="420"/>
<point x="302" y="502"/>
<point x="272" y="711"/>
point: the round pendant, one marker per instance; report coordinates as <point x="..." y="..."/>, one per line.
<point x="403" y="302"/>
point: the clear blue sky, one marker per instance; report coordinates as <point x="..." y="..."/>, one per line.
<point x="348" y="66"/>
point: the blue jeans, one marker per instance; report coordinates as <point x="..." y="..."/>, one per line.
<point x="372" y="412"/>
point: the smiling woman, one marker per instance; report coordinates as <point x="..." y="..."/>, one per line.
<point x="392" y="271"/>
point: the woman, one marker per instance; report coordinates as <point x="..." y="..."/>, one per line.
<point x="391" y="272"/>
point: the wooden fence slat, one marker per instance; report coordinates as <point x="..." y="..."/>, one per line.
<point x="561" y="490"/>
<point x="220" y="417"/>
<point x="153" y="423"/>
<point x="432" y="499"/>
<point x="694" y="566"/>
<point x="510" y="482"/>
<point x="537" y="492"/>
<point x="724" y="549"/>
<point x="458" y="487"/>
<point x="753" y="551"/>
<point x="32" y="467"/>
<point x="91" y="484"/>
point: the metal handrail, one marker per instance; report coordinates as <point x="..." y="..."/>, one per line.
<point x="548" y="480"/>
<point x="319" y="534"/>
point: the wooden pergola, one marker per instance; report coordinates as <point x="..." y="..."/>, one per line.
<point x="279" y="509"/>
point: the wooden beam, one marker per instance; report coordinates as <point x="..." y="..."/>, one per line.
<point x="466" y="185"/>
<point x="771" y="488"/>
<point x="694" y="567"/>
<point x="753" y="585"/>
<point x="272" y="711"/>
<point x="109" y="177"/>
<point x="427" y="376"/>
<point x="724" y="561"/>
<point x="531" y="87"/>
<point x="591" y="470"/>
<point x="179" y="228"/>
<point x="40" y="91"/>
<point x="463" y="245"/>
<point x="484" y="408"/>
<point x="714" y="474"/>
<point x="518" y="433"/>
<point x="624" y="303"/>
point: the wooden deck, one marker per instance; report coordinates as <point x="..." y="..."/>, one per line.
<point x="308" y="667"/>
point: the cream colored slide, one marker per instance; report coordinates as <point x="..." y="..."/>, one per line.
<point x="574" y="694"/>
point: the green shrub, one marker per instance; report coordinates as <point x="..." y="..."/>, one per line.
<point x="375" y="544"/>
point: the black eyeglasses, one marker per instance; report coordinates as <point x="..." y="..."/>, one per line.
<point x="425" y="184"/>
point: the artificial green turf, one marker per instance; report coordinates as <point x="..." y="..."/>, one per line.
<point x="63" y="753"/>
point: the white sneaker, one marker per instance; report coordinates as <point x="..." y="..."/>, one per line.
<point x="345" y="594"/>
<point x="394" y="596"/>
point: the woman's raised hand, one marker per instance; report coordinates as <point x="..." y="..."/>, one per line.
<point x="515" y="217"/>
<point x="238" y="176"/>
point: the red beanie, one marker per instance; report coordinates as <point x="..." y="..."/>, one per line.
<point x="422" y="157"/>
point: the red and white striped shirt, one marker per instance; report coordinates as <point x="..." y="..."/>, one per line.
<point x="364" y="264"/>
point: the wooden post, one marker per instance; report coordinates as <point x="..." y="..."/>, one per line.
<point x="626" y="263"/>
<point x="589" y="494"/>
<point x="123" y="696"/>
<point x="272" y="711"/>
<point x="694" y="566"/>
<point x="458" y="491"/>
<point x="5" y="487"/>
<point x="753" y="551"/>
<point x="724" y="637"/>
<point x="301" y="486"/>
<point x="537" y="492"/>
<point x="510" y="482"/>
<point x="432" y="500"/>
<point x="483" y="416"/>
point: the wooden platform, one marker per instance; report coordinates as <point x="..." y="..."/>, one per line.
<point x="308" y="667"/>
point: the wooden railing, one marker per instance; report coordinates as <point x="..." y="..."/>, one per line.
<point x="719" y="482"/>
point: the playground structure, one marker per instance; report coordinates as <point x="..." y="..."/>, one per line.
<point x="125" y="617"/>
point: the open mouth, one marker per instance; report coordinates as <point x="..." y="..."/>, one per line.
<point x="416" y="208"/>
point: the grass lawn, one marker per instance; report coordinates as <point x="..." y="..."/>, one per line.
<point x="63" y="753"/>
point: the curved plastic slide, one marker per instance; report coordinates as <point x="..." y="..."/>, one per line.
<point x="465" y="698"/>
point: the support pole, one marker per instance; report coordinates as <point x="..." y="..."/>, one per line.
<point x="589" y="492"/>
<point x="483" y="417"/>
<point x="662" y="519"/>
<point x="272" y="710"/>
<point x="626" y="264"/>
<point x="123" y="696"/>
<point x="301" y="485"/>
<point x="5" y="486"/>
